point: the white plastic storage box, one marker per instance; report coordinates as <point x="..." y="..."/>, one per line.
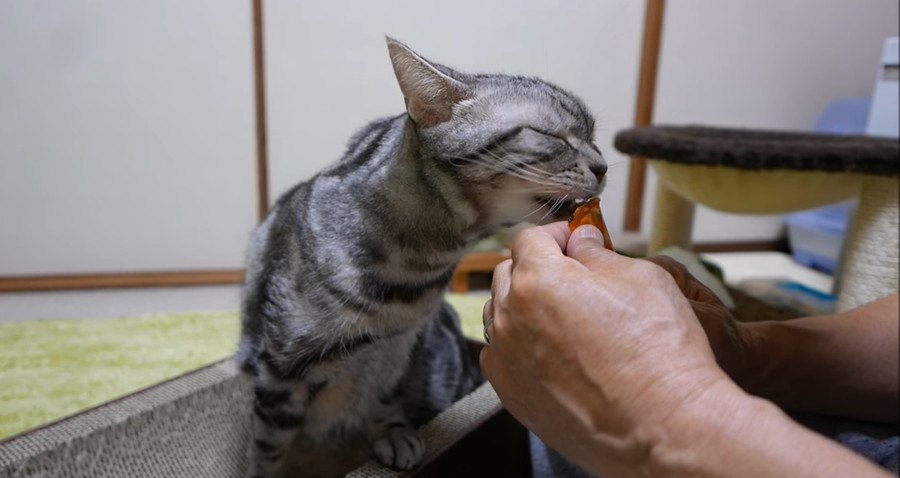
<point x="816" y="236"/>
<point x="883" y="118"/>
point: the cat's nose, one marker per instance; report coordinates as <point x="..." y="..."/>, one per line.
<point x="599" y="170"/>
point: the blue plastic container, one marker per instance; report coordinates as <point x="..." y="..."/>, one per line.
<point x="845" y="116"/>
<point x="816" y="236"/>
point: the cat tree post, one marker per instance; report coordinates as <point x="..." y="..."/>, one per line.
<point x="673" y="220"/>
<point x="871" y="263"/>
<point x="643" y="111"/>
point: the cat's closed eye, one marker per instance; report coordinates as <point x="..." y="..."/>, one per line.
<point x="561" y="136"/>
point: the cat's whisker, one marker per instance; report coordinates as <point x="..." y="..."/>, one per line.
<point x="455" y="158"/>
<point x="501" y="165"/>
<point x="549" y="211"/>
<point x="514" y="172"/>
<point x="524" y="167"/>
<point x="541" y="205"/>
<point x="515" y="169"/>
<point x="538" y="175"/>
<point x="512" y="169"/>
<point x="555" y="205"/>
<point x="530" y="167"/>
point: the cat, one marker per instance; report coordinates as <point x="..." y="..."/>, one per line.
<point x="345" y="334"/>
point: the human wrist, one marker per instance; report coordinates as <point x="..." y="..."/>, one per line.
<point x="663" y="423"/>
<point x="766" y="346"/>
<point x="727" y="432"/>
<point x="692" y="440"/>
<point x="677" y="436"/>
<point x="750" y="361"/>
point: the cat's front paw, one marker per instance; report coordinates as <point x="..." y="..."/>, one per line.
<point x="400" y="448"/>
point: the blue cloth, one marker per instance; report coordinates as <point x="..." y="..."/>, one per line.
<point x="878" y="442"/>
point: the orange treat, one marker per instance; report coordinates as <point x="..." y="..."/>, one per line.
<point x="589" y="213"/>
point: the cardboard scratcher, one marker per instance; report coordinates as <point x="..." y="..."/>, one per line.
<point x="198" y="425"/>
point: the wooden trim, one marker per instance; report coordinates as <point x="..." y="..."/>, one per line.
<point x="778" y="245"/>
<point x="474" y="262"/>
<point x="120" y="280"/>
<point x="259" y="82"/>
<point x="643" y="114"/>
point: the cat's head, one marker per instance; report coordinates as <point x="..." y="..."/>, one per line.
<point x="524" y="146"/>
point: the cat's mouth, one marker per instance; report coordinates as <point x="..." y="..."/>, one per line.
<point x="561" y="209"/>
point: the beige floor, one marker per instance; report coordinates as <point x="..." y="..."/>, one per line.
<point x="115" y="303"/>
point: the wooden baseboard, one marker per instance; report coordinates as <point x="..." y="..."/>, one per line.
<point x="120" y="280"/>
<point x="471" y="263"/>
<point x="474" y="262"/>
<point x="779" y="245"/>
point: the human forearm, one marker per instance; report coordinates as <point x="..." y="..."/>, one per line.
<point x="719" y="431"/>
<point x="845" y="364"/>
<point x="725" y="432"/>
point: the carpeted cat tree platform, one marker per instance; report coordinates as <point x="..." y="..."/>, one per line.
<point x="773" y="172"/>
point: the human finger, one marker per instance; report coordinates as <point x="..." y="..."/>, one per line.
<point x="586" y="246"/>
<point x="537" y="244"/>
<point x="559" y="231"/>
<point x="500" y="281"/>
<point x="487" y="319"/>
<point x="689" y="285"/>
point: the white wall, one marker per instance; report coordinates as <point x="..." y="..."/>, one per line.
<point x="126" y="127"/>
<point x="329" y="73"/>
<point x="764" y="64"/>
<point x="126" y="135"/>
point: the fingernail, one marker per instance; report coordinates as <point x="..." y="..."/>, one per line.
<point x="587" y="232"/>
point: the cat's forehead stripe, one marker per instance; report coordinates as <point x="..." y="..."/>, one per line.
<point x="511" y="101"/>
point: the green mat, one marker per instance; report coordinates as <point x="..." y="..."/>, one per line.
<point x="53" y="368"/>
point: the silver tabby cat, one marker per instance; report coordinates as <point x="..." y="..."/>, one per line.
<point x="345" y="333"/>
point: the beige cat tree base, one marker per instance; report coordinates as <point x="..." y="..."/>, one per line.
<point x="756" y="172"/>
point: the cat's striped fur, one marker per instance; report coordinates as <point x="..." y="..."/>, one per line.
<point x="345" y="334"/>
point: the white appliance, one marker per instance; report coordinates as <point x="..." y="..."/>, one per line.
<point x="883" y="117"/>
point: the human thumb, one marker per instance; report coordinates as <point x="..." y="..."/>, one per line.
<point x="585" y="245"/>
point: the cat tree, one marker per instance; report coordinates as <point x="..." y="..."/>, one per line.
<point x="770" y="172"/>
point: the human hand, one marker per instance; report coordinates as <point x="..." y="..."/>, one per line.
<point x="591" y="345"/>
<point x="730" y="340"/>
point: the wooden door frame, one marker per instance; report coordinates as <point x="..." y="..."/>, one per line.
<point x="259" y="84"/>
<point x="643" y="111"/>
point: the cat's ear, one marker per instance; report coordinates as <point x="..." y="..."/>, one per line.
<point x="429" y="93"/>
